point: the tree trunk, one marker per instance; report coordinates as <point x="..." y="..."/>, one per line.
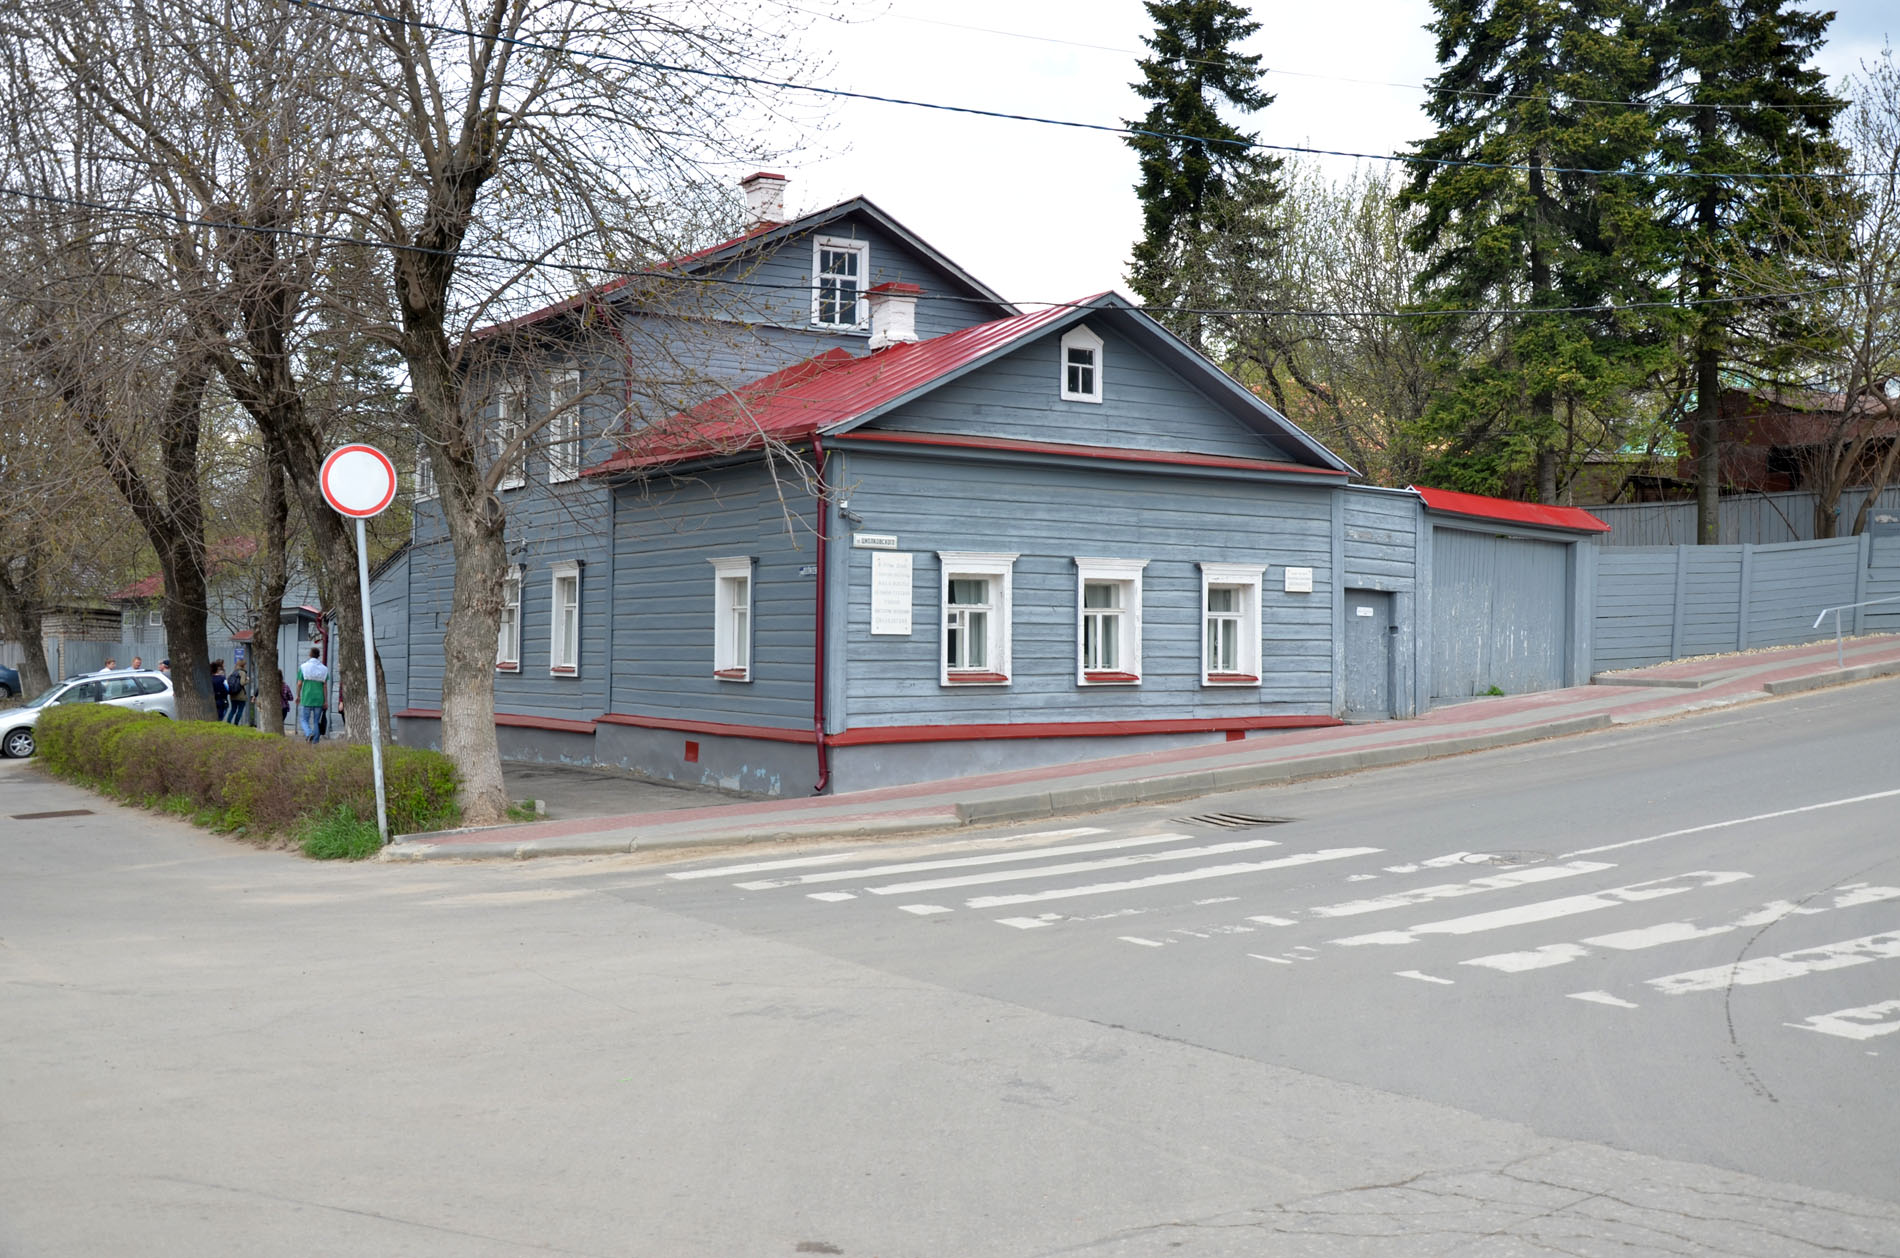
<point x="21" y="615"/>
<point x="265" y="666"/>
<point x="1708" y="448"/>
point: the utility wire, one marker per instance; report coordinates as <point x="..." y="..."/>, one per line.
<point x="1238" y="59"/>
<point x="727" y="76"/>
<point x="659" y="272"/>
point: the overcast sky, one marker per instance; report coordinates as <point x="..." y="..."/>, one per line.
<point x="1045" y="213"/>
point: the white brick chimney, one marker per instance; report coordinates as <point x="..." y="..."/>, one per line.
<point x="893" y="313"/>
<point x="764" y="199"/>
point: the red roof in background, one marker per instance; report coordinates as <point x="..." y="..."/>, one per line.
<point x="226" y="551"/>
<point x="1509" y="511"/>
<point x="819" y="393"/>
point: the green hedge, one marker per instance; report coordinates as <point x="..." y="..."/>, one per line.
<point x="235" y="778"/>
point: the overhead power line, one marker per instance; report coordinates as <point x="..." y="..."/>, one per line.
<point x="587" y="271"/>
<point x="1474" y="93"/>
<point x="727" y="76"/>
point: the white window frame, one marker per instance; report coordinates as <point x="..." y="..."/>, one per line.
<point x="155" y="619"/>
<point x="425" y="477"/>
<point x="562" y="436"/>
<point x="861" y="316"/>
<point x="510" y="623"/>
<point x="1079" y="337"/>
<point x="559" y="573"/>
<point x="510" y="422"/>
<point x="1126" y="574"/>
<point x="732" y="618"/>
<point x="999" y="570"/>
<point x="1248" y="578"/>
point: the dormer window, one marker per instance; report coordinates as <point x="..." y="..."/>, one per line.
<point x="838" y="270"/>
<point x="1081" y="366"/>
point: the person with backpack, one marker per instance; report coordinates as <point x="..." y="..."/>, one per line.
<point x="238" y="686"/>
<point x="220" y="692"/>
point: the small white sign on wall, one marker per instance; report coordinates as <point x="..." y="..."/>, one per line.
<point x="1299" y="580"/>
<point x="874" y="541"/>
<point x="890" y="592"/>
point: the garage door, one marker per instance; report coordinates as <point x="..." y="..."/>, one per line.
<point x="1499" y="614"/>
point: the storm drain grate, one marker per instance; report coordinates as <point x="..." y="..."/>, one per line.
<point x="1229" y="820"/>
<point x="42" y="816"/>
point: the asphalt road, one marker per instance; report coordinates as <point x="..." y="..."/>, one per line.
<point x="1628" y="993"/>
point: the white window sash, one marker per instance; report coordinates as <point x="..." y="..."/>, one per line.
<point x="564" y="620"/>
<point x="732" y="618"/>
<point x="859" y="314"/>
<point x="425" y="477"/>
<point x="508" y="637"/>
<point x="1081" y="338"/>
<point x="508" y="427"/>
<point x="563" y="432"/>
<point x="1242" y="624"/>
<point x="1125" y="620"/>
<point x="992" y="617"/>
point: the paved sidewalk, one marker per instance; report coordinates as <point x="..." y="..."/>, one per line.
<point x="1620" y="698"/>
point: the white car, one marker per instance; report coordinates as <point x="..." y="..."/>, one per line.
<point x="143" y="689"/>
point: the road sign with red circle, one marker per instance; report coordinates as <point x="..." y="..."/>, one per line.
<point x="359" y="480"/>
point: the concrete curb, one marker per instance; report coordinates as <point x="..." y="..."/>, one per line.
<point x="1833" y="677"/>
<point x="626" y="842"/>
<point x="1660" y="683"/>
<point x="1063" y="801"/>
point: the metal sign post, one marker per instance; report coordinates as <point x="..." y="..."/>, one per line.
<point x="359" y="481"/>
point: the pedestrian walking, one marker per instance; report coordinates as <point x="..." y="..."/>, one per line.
<point x="220" y="690"/>
<point x="238" y="686"/>
<point x="109" y="665"/>
<point x="138" y="661"/>
<point x="310" y="695"/>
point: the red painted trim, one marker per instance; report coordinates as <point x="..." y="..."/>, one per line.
<point x="564" y="670"/>
<point x="508" y="667"/>
<point x="869" y="735"/>
<point x="730" y="674"/>
<point x="1232" y="679"/>
<point x="509" y="720"/>
<point x="1109" y="678"/>
<point x="1479" y="507"/>
<point x="967" y="678"/>
<point x="767" y="732"/>
<point x="1116" y="454"/>
<point x="897" y="288"/>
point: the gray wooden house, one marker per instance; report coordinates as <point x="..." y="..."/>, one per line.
<point x="907" y="531"/>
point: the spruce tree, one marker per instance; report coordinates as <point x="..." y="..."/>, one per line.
<point x="1741" y="99"/>
<point x="1208" y="200"/>
<point x="1531" y="94"/>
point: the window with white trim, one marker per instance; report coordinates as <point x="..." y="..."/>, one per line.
<point x="975" y="597"/>
<point x="508" y="638"/>
<point x="562" y="436"/>
<point x="838" y="268"/>
<point x="509" y="426"/>
<point x="425" y="477"/>
<point x="1081" y="365"/>
<point x="1230" y="624"/>
<point x="564" y="636"/>
<point x="1108" y="621"/>
<point x="155" y="618"/>
<point x="732" y="618"/>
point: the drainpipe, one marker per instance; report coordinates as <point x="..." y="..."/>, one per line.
<point x="818" y="634"/>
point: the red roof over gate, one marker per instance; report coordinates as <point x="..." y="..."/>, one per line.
<point x="1508" y="511"/>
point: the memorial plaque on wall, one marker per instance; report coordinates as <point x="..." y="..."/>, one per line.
<point x="890" y="592"/>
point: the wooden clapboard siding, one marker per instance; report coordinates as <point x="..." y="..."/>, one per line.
<point x="1145" y="405"/>
<point x="1382" y="528"/>
<point x="389" y="610"/>
<point x="1050" y="516"/>
<point x="666" y="532"/>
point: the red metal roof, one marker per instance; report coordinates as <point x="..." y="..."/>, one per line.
<point x="818" y="393"/>
<point x="1504" y="509"/>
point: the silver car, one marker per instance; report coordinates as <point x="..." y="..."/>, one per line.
<point x="143" y="689"/>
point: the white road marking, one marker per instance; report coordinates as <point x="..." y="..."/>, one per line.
<point x="759" y="867"/>
<point x="1072" y="867"/>
<point x="1603" y="998"/>
<point x="1161" y="880"/>
<point x="1360" y="877"/>
<point x="1452" y="890"/>
<point x="1219" y="899"/>
<point x="1861" y="1023"/>
<point x="1259" y="957"/>
<point x="1146" y="943"/>
<point x="1031" y="923"/>
<point x="1800" y="962"/>
<point x="833" y="895"/>
<point x="1422" y="977"/>
<point x="1544" y="910"/>
<point x="1737" y="821"/>
<point x="959" y="862"/>
<point x="924" y="910"/>
<point x="1850" y="896"/>
<point x="1266" y="920"/>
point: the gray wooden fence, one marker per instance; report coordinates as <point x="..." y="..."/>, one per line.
<point x="1747" y="519"/>
<point x="1663" y="603"/>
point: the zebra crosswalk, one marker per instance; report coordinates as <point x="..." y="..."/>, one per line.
<point x="1134" y="890"/>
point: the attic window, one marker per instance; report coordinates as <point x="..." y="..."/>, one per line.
<point x="838" y="269"/>
<point x="1081" y="365"/>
